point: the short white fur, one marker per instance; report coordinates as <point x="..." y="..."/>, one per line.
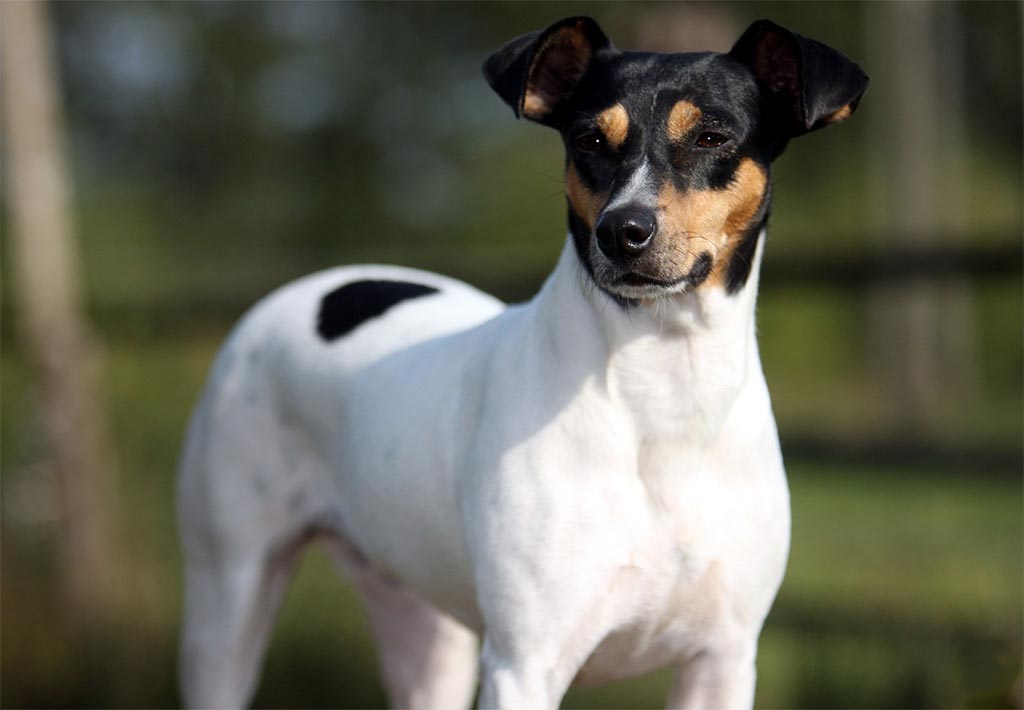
<point x="591" y="491"/>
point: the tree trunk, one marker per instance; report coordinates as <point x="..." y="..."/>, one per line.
<point x="920" y="331"/>
<point x="55" y="333"/>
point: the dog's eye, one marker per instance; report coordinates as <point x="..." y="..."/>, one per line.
<point x="589" y="142"/>
<point x="710" y="139"/>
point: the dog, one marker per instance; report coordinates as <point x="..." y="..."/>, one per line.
<point x="584" y="487"/>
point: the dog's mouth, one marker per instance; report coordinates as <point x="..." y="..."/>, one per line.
<point x="635" y="284"/>
<point x="641" y="280"/>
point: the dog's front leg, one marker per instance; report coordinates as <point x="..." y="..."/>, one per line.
<point x="722" y="678"/>
<point x="514" y="677"/>
<point x="551" y="586"/>
<point x="540" y="632"/>
<point x="518" y="682"/>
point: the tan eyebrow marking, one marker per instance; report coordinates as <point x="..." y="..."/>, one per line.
<point x="682" y="119"/>
<point x="614" y="124"/>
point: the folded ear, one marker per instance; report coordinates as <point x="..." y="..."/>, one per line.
<point x="808" y="85"/>
<point x="536" y="72"/>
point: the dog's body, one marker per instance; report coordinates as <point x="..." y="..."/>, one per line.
<point x="591" y="482"/>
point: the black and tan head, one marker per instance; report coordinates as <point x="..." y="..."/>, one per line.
<point x="668" y="156"/>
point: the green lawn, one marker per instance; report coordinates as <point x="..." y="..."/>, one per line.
<point x="904" y="587"/>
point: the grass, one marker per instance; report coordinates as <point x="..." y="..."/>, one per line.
<point x="942" y="545"/>
<point x="904" y="587"/>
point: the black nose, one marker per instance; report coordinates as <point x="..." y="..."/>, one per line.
<point x="625" y="232"/>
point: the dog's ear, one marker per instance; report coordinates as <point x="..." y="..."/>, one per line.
<point x="536" y="72"/>
<point x="807" y="85"/>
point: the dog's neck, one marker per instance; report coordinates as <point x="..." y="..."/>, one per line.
<point x="677" y="364"/>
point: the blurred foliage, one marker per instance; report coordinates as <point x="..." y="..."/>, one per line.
<point x="221" y="149"/>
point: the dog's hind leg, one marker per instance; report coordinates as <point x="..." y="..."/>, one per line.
<point x="427" y="659"/>
<point x="240" y="541"/>
<point x="230" y="605"/>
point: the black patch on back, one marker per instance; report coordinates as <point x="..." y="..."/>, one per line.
<point x="346" y="308"/>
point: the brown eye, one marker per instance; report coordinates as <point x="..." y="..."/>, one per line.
<point x="588" y="142"/>
<point x="710" y="139"/>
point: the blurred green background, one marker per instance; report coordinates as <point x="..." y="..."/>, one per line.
<point x="220" y="149"/>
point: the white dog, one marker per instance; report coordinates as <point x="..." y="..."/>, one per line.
<point x="589" y="483"/>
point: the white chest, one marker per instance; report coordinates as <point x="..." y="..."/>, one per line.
<point x="712" y="557"/>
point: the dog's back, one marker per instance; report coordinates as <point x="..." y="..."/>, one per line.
<point x="256" y="479"/>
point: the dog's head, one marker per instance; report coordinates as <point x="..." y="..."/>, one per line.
<point x="668" y="155"/>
